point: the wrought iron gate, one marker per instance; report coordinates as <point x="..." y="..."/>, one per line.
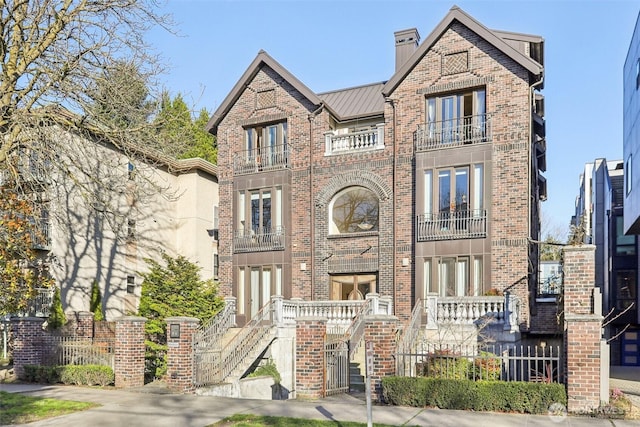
<point x="336" y="372"/>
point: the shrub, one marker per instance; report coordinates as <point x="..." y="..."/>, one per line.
<point x="70" y="374"/>
<point x="268" y="369"/>
<point x="95" y="304"/>
<point x="486" y="367"/>
<point x="87" y="375"/>
<point x="445" y="364"/>
<point x="524" y="397"/>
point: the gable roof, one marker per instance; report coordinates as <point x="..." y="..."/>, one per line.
<point x="262" y="59"/>
<point x="457" y="14"/>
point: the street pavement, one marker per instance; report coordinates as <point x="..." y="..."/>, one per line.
<point x="144" y="408"/>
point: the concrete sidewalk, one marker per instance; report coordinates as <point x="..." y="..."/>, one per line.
<point x="130" y="408"/>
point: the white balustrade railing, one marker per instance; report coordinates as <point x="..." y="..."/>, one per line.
<point x="372" y="139"/>
<point x="469" y="310"/>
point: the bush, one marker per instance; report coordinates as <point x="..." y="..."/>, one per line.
<point x="87" y="375"/>
<point x="486" y="367"/>
<point x="445" y="364"/>
<point x="523" y="397"/>
<point x="70" y="374"/>
<point x="268" y="369"/>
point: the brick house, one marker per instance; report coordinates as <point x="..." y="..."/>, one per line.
<point x="427" y="185"/>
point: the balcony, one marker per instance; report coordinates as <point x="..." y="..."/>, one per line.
<point x="453" y="133"/>
<point x="365" y="140"/>
<point x="261" y="159"/>
<point x="41" y="236"/>
<point x="452" y="225"/>
<point x="271" y="239"/>
<point x="504" y="310"/>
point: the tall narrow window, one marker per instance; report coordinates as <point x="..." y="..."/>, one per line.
<point x="428" y="192"/>
<point x="241" y="284"/>
<point x="478" y="196"/>
<point x="427" y="283"/>
<point x="216" y="266"/>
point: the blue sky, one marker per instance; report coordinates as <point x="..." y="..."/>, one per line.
<point x="337" y="44"/>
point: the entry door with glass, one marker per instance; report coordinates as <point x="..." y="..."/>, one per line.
<point x="352" y="286"/>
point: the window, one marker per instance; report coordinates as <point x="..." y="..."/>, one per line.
<point x="353" y="210"/>
<point x="456" y="117"/>
<point x="454" y="276"/>
<point x="628" y="175"/>
<point x="453" y="204"/>
<point x="256" y="285"/>
<point x="625" y="245"/>
<point x="352" y="286"/>
<point x="638" y="73"/>
<point x="266" y="145"/>
<point x="457" y="189"/>
<point x="263" y="210"/>
<point x="625" y="289"/>
<point x="131" y="229"/>
<point x="131" y="284"/>
<point x="216" y="266"/>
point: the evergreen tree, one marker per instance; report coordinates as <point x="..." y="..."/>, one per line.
<point x="57" y="318"/>
<point x="172" y="289"/>
<point x="95" y="305"/>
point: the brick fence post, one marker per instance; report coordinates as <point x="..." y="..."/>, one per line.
<point x="129" y="352"/>
<point x="84" y="325"/>
<point x="180" y="357"/>
<point x="583" y="330"/>
<point x="310" y="337"/>
<point x="381" y="331"/>
<point x="28" y="342"/>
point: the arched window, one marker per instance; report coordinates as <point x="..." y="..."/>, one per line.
<point x="353" y="210"/>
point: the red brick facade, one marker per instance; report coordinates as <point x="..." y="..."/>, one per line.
<point x="180" y="357"/>
<point x="502" y="258"/>
<point x="382" y="332"/>
<point x="583" y="330"/>
<point x="310" y="336"/>
<point x="129" y="352"/>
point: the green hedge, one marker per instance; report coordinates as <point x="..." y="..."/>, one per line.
<point x="523" y="397"/>
<point x="70" y="374"/>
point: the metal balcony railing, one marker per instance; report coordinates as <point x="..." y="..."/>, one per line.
<point x="452" y="133"/>
<point x="41" y="237"/>
<point x="268" y="239"/>
<point x="261" y="160"/>
<point x="467" y="224"/>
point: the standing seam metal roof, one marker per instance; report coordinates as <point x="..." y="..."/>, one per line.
<point x="360" y="101"/>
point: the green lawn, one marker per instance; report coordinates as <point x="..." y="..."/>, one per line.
<point x="16" y="408"/>
<point x="249" y="420"/>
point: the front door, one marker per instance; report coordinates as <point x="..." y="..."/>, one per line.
<point x="352" y="286"/>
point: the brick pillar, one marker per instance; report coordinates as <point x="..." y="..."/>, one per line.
<point x="310" y="337"/>
<point x="180" y="357"/>
<point x="129" y="352"/>
<point x="583" y="328"/>
<point x="381" y="331"/>
<point x="84" y="326"/>
<point x="29" y="340"/>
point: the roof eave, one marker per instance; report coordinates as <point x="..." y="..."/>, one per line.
<point x="457" y="14"/>
<point x="263" y="58"/>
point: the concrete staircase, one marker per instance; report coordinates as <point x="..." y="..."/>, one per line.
<point x="357" y="371"/>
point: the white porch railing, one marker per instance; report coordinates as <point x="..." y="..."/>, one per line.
<point x="469" y="310"/>
<point x="339" y="314"/>
<point x="372" y="139"/>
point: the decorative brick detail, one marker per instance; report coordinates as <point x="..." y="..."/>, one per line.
<point x="310" y="337"/>
<point x="382" y="331"/>
<point x="583" y="329"/>
<point x="29" y="342"/>
<point x="454" y="63"/>
<point x="129" y="352"/>
<point x="180" y="360"/>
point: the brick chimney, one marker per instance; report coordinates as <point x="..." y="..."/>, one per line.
<point x="406" y="43"/>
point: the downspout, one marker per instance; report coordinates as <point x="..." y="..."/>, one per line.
<point x="391" y="101"/>
<point x="532" y="292"/>
<point x="312" y="210"/>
